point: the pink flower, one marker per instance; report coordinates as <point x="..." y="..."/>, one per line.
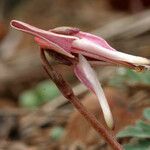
<point x="83" y="49"/>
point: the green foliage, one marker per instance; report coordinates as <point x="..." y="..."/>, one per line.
<point x="56" y="133"/>
<point x="29" y="99"/>
<point x="44" y="91"/>
<point x="146" y="113"/>
<point x="139" y="145"/>
<point x="130" y="76"/>
<point x="139" y="77"/>
<point x="140" y="131"/>
<point x="47" y="90"/>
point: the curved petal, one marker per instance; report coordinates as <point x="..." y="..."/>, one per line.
<point x="87" y="76"/>
<point x="60" y="43"/>
<point x="93" y="48"/>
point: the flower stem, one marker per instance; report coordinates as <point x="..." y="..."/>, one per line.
<point x="66" y="90"/>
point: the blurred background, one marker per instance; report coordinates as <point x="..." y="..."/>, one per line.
<point x="33" y="113"/>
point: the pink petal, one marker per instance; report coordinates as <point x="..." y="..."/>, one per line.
<point x="94" y="39"/>
<point x="87" y="76"/>
<point x="60" y="43"/>
<point x="86" y="46"/>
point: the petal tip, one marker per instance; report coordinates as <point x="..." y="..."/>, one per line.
<point x="87" y="75"/>
<point x="109" y="120"/>
<point x="14" y="23"/>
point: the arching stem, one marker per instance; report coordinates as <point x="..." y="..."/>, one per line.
<point x="66" y="90"/>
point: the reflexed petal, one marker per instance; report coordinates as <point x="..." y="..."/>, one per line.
<point x="57" y="42"/>
<point x="87" y="76"/>
<point x="92" y="48"/>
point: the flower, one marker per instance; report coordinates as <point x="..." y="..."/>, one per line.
<point x="83" y="49"/>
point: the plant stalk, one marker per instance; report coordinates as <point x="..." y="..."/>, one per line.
<point x="67" y="91"/>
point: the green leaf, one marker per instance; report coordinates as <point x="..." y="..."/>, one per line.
<point x="133" y="76"/>
<point x="29" y="99"/>
<point x="145" y="77"/>
<point x="47" y="90"/>
<point x="145" y="127"/>
<point x="140" y="77"/>
<point x="140" y="130"/>
<point x="140" y="145"/>
<point x="146" y="113"/>
<point x="56" y="133"/>
<point x="43" y="92"/>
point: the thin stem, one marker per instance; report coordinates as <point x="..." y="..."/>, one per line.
<point x="66" y="90"/>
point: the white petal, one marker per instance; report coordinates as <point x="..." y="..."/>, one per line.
<point x="86" y="74"/>
<point x="93" y="48"/>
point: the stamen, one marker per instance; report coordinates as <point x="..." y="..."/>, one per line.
<point x="139" y="68"/>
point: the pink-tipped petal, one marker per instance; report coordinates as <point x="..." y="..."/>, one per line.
<point x="94" y="39"/>
<point x="57" y="42"/>
<point x="93" y="48"/>
<point x="86" y="75"/>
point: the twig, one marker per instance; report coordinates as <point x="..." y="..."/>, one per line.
<point x="66" y="90"/>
